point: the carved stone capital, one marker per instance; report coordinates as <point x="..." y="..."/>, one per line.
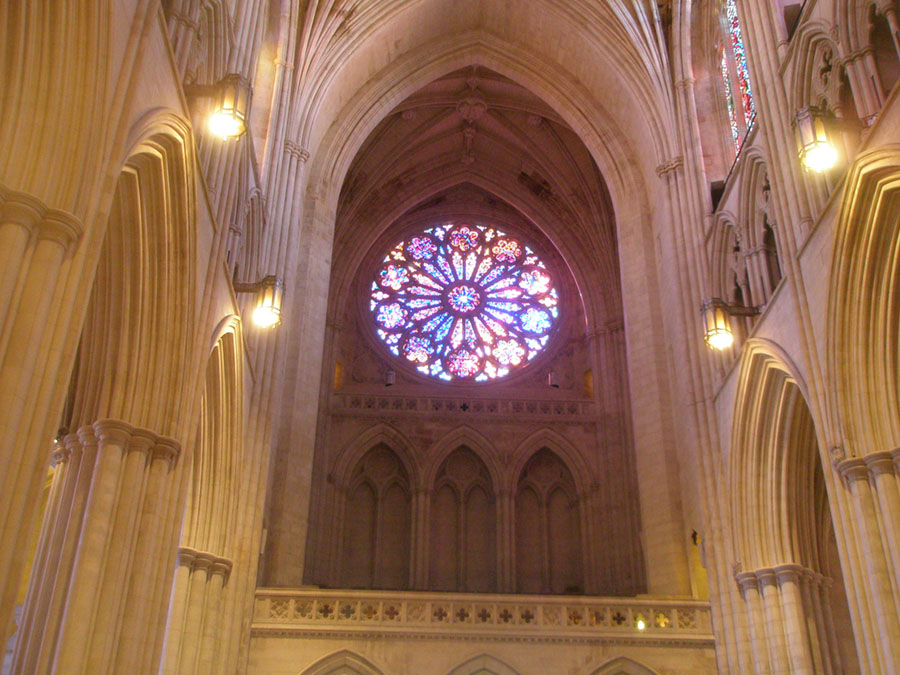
<point x="30" y="213"/>
<point x="788" y="572"/>
<point x="294" y="150"/>
<point x="853" y="469"/>
<point x="668" y="167"/>
<point x="203" y="560"/>
<point x="880" y="462"/>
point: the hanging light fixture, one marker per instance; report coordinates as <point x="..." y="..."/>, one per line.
<point x="817" y="153"/>
<point x="717" y="313"/>
<point x="231" y="108"/>
<point x="269" y="298"/>
<point x="229" y="117"/>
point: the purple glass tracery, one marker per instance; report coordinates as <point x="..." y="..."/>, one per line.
<point x="464" y="302"/>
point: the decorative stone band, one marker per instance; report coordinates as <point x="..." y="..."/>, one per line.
<point x="201" y="560"/>
<point x="381" y="405"/>
<point x="121" y="434"/>
<point x="875" y="463"/>
<point x="410" y="614"/>
<point x="780" y="574"/>
<point x="666" y="168"/>
<point x="18" y="208"/>
<point x="297" y="151"/>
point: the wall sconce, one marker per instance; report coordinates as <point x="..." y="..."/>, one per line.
<point x="717" y="315"/>
<point x="232" y="105"/>
<point x="811" y="126"/>
<point x="390" y="377"/>
<point x="269" y="299"/>
<point x="553" y="379"/>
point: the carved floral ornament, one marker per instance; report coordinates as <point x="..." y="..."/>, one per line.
<point x="464" y="302"/>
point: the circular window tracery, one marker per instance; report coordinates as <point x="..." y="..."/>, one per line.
<point x="464" y="302"/>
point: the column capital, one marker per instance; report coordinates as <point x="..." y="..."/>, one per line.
<point x="853" y="469"/>
<point x="195" y="559"/>
<point x="880" y="462"/>
<point x="669" y="166"/>
<point x="788" y="572"/>
<point x="295" y="150"/>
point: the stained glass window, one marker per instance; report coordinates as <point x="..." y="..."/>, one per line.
<point x="464" y="302"/>
<point x="736" y="76"/>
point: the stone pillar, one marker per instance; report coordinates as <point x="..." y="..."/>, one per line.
<point x="797" y="635"/>
<point x="108" y="557"/>
<point x="35" y="247"/>
<point x="773" y="621"/>
<point x="194" y="640"/>
<point x="880" y="604"/>
<point x="749" y="586"/>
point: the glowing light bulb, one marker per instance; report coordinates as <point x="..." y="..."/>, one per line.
<point x="641" y="624"/>
<point x="265" y="316"/>
<point x="820" y="156"/>
<point x="720" y="339"/>
<point x="226" y="124"/>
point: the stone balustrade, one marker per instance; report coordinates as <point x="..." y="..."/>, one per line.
<point x="404" y="614"/>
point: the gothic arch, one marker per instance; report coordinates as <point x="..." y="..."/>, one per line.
<point x="412" y="71"/>
<point x="483" y="664"/>
<point x="761" y="467"/>
<point x="863" y="312"/>
<point x="461" y="436"/>
<point x="381" y="433"/>
<point x="623" y="666"/>
<point x="343" y="662"/>
<point x="559" y="446"/>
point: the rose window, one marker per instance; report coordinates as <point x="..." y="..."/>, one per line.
<point x="464" y="302"/>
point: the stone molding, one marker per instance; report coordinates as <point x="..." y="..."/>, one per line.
<point x="202" y="560"/>
<point x="470" y="616"/>
<point x="30" y="213"/>
<point x="381" y="405"/>
<point x="120" y="433"/>
<point x="875" y="463"/>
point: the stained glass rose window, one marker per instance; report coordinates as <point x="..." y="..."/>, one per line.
<point x="464" y="302"/>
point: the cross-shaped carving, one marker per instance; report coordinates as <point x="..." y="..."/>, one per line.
<point x="440" y="614"/>
<point x="484" y="615"/>
<point x="391" y="612"/>
<point x="464" y="407"/>
<point x="325" y="610"/>
<point x="347" y="611"/>
<point x="462" y="614"/>
<point x="506" y="615"/>
<point x="527" y="616"/>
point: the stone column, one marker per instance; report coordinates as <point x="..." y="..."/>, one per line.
<point x="773" y="621"/>
<point x="797" y="635"/>
<point x="108" y="557"/>
<point x="880" y="602"/>
<point x="194" y="640"/>
<point x="749" y="586"/>
<point x="35" y="256"/>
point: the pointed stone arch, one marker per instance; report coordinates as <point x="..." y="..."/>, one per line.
<point x="559" y="446"/>
<point x="380" y="433"/>
<point x="344" y="662"/>
<point x="472" y="439"/>
<point x="622" y="665"/>
<point x="863" y="312"/>
<point x="483" y="664"/>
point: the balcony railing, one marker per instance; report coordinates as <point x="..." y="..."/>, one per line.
<point x="349" y="613"/>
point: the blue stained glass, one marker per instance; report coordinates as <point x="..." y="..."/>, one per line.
<point x="464" y="302"/>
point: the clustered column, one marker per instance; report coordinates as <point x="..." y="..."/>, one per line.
<point x="791" y="628"/>
<point x="104" y="554"/>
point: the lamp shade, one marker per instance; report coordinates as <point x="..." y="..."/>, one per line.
<point x="816" y="150"/>
<point x="229" y="116"/>
<point x="269" y="297"/>
<point x="716" y="324"/>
